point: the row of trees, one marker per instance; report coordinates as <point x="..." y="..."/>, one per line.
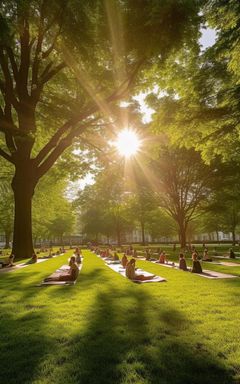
<point x="176" y="194"/>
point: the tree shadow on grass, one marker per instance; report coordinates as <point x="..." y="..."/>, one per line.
<point x="124" y="343"/>
<point x="22" y="340"/>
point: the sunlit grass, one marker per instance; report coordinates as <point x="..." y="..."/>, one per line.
<point x="106" y="329"/>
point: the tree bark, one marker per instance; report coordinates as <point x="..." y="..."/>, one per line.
<point x="233" y="237"/>
<point x="23" y="185"/>
<point x="182" y="234"/>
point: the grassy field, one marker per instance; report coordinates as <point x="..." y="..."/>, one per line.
<point x="106" y="329"/>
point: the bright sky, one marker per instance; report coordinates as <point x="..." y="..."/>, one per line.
<point x="208" y="37"/>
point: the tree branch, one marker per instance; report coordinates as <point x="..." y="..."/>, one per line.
<point x="45" y="77"/>
<point x="54" y="148"/>
<point x="6" y="156"/>
<point x="7" y="87"/>
<point x="13" y="62"/>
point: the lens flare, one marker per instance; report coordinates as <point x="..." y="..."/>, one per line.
<point x="127" y="143"/>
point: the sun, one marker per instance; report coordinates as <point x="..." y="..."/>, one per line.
<point x="127" y="143"/>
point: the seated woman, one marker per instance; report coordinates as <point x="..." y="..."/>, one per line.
<point x="115" y="257"/>
<point x="196" y="266"/>
<point x="103" y="254"/>
<point x="34" y="258"/>
<point x="131" y="274"/>
<point x="78" y="253"/>
<point x="124" y="260"/>
<point x="78" y="259"/>
<point x="206" y="257"/>
<point x="71" y="275"/>
<point x="182" y="262"/>
<point x="162" y="258"/>
<point x="148" y="255"/>
<point x="8" y="262"/>
<point x="231" y="254"/>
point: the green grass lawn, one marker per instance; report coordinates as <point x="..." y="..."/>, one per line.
<point x="106" y="329"/>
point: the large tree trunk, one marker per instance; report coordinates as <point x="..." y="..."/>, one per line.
<point x="23" y="188"/>
<point x="182" y="233"/>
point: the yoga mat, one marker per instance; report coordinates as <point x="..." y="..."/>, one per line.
<point x="121" y="271"/>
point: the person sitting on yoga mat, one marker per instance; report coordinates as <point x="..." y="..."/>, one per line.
<point x="71" y="275"/>
<point x="34" y="258"/>
<point x="182" y="262"/>
<point x="196" y="266"/>
<point x="131" y="274"/>
<point x="124" y="260"/>
<point x="78" y="258"/>
<point x="206" y="257"/>
<point x="8" y="262"/>
<point x="135" y="253"/>
<point x="162" y="258"/>
<point x="147" y="255"/>
<point x="115" y="257"/>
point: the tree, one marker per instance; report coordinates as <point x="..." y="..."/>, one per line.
<point x="140" y="204"/>
<point x="159" y="224"/>
<point x="183" y="185"/>
<point x="224" y="202"/>
<point x="49" y="204"/>
<point x="198" y="99"/>
<point x="103" y="206"/>
<point x="61" y="68"/>
<point x="224" y="16"/>
<point x="62" y="224"/>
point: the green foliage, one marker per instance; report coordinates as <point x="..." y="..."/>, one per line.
<point x="52" y="213"/>
<point x="225" y="18"/>
<point x="224" y="204"/>
<point x="183" y="184"/>
<point x="160" y="225"/>
<point x="197" y="104"/>
<point x="103" y="207"/>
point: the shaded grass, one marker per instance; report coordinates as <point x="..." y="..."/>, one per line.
<point x="106" y="329"/>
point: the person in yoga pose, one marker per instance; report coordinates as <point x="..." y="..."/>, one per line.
<point x="206" y="257"/>
<point x="162" y="258"/>
<point x="78" y="259"/>
<point x="78" y="255"/>
<point x="182" y="262"/>
<point x="115" y="257"/>
<point x="131" y="274"/>
<point x="135" y="253"/>
<point x="124" y="260"/>
<point x="71" y="275"/>
<point x="34" y="258"/>
<point x="8" y="262"/>
<point x="196" y="266"/>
